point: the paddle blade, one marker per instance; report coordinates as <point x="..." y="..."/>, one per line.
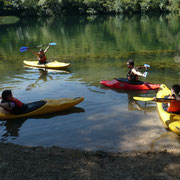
<point x="22" y="49"/>
<point x="144" y="98"/>
<point x="52" y="44"/>
<point x="147" y="65"/>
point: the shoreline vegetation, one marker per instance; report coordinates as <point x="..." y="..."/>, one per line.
<point x="87" y="7"/>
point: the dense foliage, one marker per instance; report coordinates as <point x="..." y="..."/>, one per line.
<point x="63" y="7"/>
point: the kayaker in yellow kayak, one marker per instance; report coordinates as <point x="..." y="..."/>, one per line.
<point x="174" y="106"/>
<point x="10" y="103"/>
<point x="41" y="55"/>
<point x="133" y="74"/>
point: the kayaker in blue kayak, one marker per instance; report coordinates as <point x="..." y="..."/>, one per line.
<point x="41" y="55"/>
<point x="133" y="74"/>
<point x="10" y="103"/>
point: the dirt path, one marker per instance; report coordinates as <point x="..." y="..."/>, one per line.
<point x="20" y="162"/>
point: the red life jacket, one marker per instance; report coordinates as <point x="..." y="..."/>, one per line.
<point x="17" y="102"/>
<point x="18" y="108"/>
<point x="131" y="76"/>
<point x="42" y="59"/>
<point x="174" y="106"/>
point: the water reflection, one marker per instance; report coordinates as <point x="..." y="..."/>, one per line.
<point x="13" y="127"/>
<point x="140" y="106"/>
<point x="44" y="76"/>
<point x="96" y="51"/>
<point x="134" y="105"/>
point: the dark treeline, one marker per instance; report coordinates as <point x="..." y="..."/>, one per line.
<point x="89" y="7"/>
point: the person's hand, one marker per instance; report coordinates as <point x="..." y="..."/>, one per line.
<point x="147" y="66"/>
<point x="145" y="74"/>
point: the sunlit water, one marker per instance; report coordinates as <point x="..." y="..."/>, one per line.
<point x="97" y="48"/>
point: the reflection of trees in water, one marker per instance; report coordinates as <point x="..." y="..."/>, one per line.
<point x="12" y="127"/>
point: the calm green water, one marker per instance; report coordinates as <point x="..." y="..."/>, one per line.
<point x="97" y="48"/>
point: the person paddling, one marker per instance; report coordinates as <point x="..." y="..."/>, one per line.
<point x="174" y="106"/>
<point x="133" y="74"/>
<point x="41" y="55"/>
<point x="11" y="104"/>
<point x="174" y="97"/>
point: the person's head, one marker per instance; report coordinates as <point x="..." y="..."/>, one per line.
<point x="130" y="63"/>
<point x="175" y="89"/>
<point x="6" y="94"/>
<point x="41" y="51"/>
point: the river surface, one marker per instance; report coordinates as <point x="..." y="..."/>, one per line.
<point x="97" y="48"/>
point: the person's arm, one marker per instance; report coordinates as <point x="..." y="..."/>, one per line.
<point x="140" y="67"/>
<point x="46" y="49"/>
<point x="134" y="71"/>
<point x="7" y="105"/>
<point x="146" y="66"/>
<point x="33" y="52"/>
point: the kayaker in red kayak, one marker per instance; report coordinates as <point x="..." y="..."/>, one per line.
<point x="10" y="103"/>
<point x="174" y="105"/>
<point x="133" y="74"/>
<point x="41" y="55"/>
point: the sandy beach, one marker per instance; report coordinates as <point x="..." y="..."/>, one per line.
<point x="22" y="162"/>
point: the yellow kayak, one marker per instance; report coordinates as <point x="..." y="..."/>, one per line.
<point x="45" y="106"/>
<point x="170" y="120"/>
<point x="50" y="65"/>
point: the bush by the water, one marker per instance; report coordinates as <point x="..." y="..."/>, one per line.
<point x="68" y="7"/>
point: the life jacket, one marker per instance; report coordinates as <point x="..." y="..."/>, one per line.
<point x="42" y="59"/>
<point x="174" y="106"/>
<point x="131" y="76"/>
<point x="19" y="106"/>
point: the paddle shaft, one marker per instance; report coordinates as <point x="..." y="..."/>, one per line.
<point x="163" y="100"/>
<point x="22" y="49"/>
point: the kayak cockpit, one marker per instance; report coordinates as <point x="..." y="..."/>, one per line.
<point x="29" y="107"/>
<point x="130" y="82"/>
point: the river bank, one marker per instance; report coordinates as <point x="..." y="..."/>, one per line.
<point x="22" y="162"/>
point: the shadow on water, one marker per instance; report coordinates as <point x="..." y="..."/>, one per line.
<point x="13" y="126"/>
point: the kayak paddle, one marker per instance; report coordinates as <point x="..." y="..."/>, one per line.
<point x="22" y="49"/>
<point x="147" y="65"/>
<point x="152" y="99"/>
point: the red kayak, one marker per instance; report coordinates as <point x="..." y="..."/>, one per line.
<point x="123" y="83"/>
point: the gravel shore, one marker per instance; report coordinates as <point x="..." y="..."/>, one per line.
<point x="22" y="162"/>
